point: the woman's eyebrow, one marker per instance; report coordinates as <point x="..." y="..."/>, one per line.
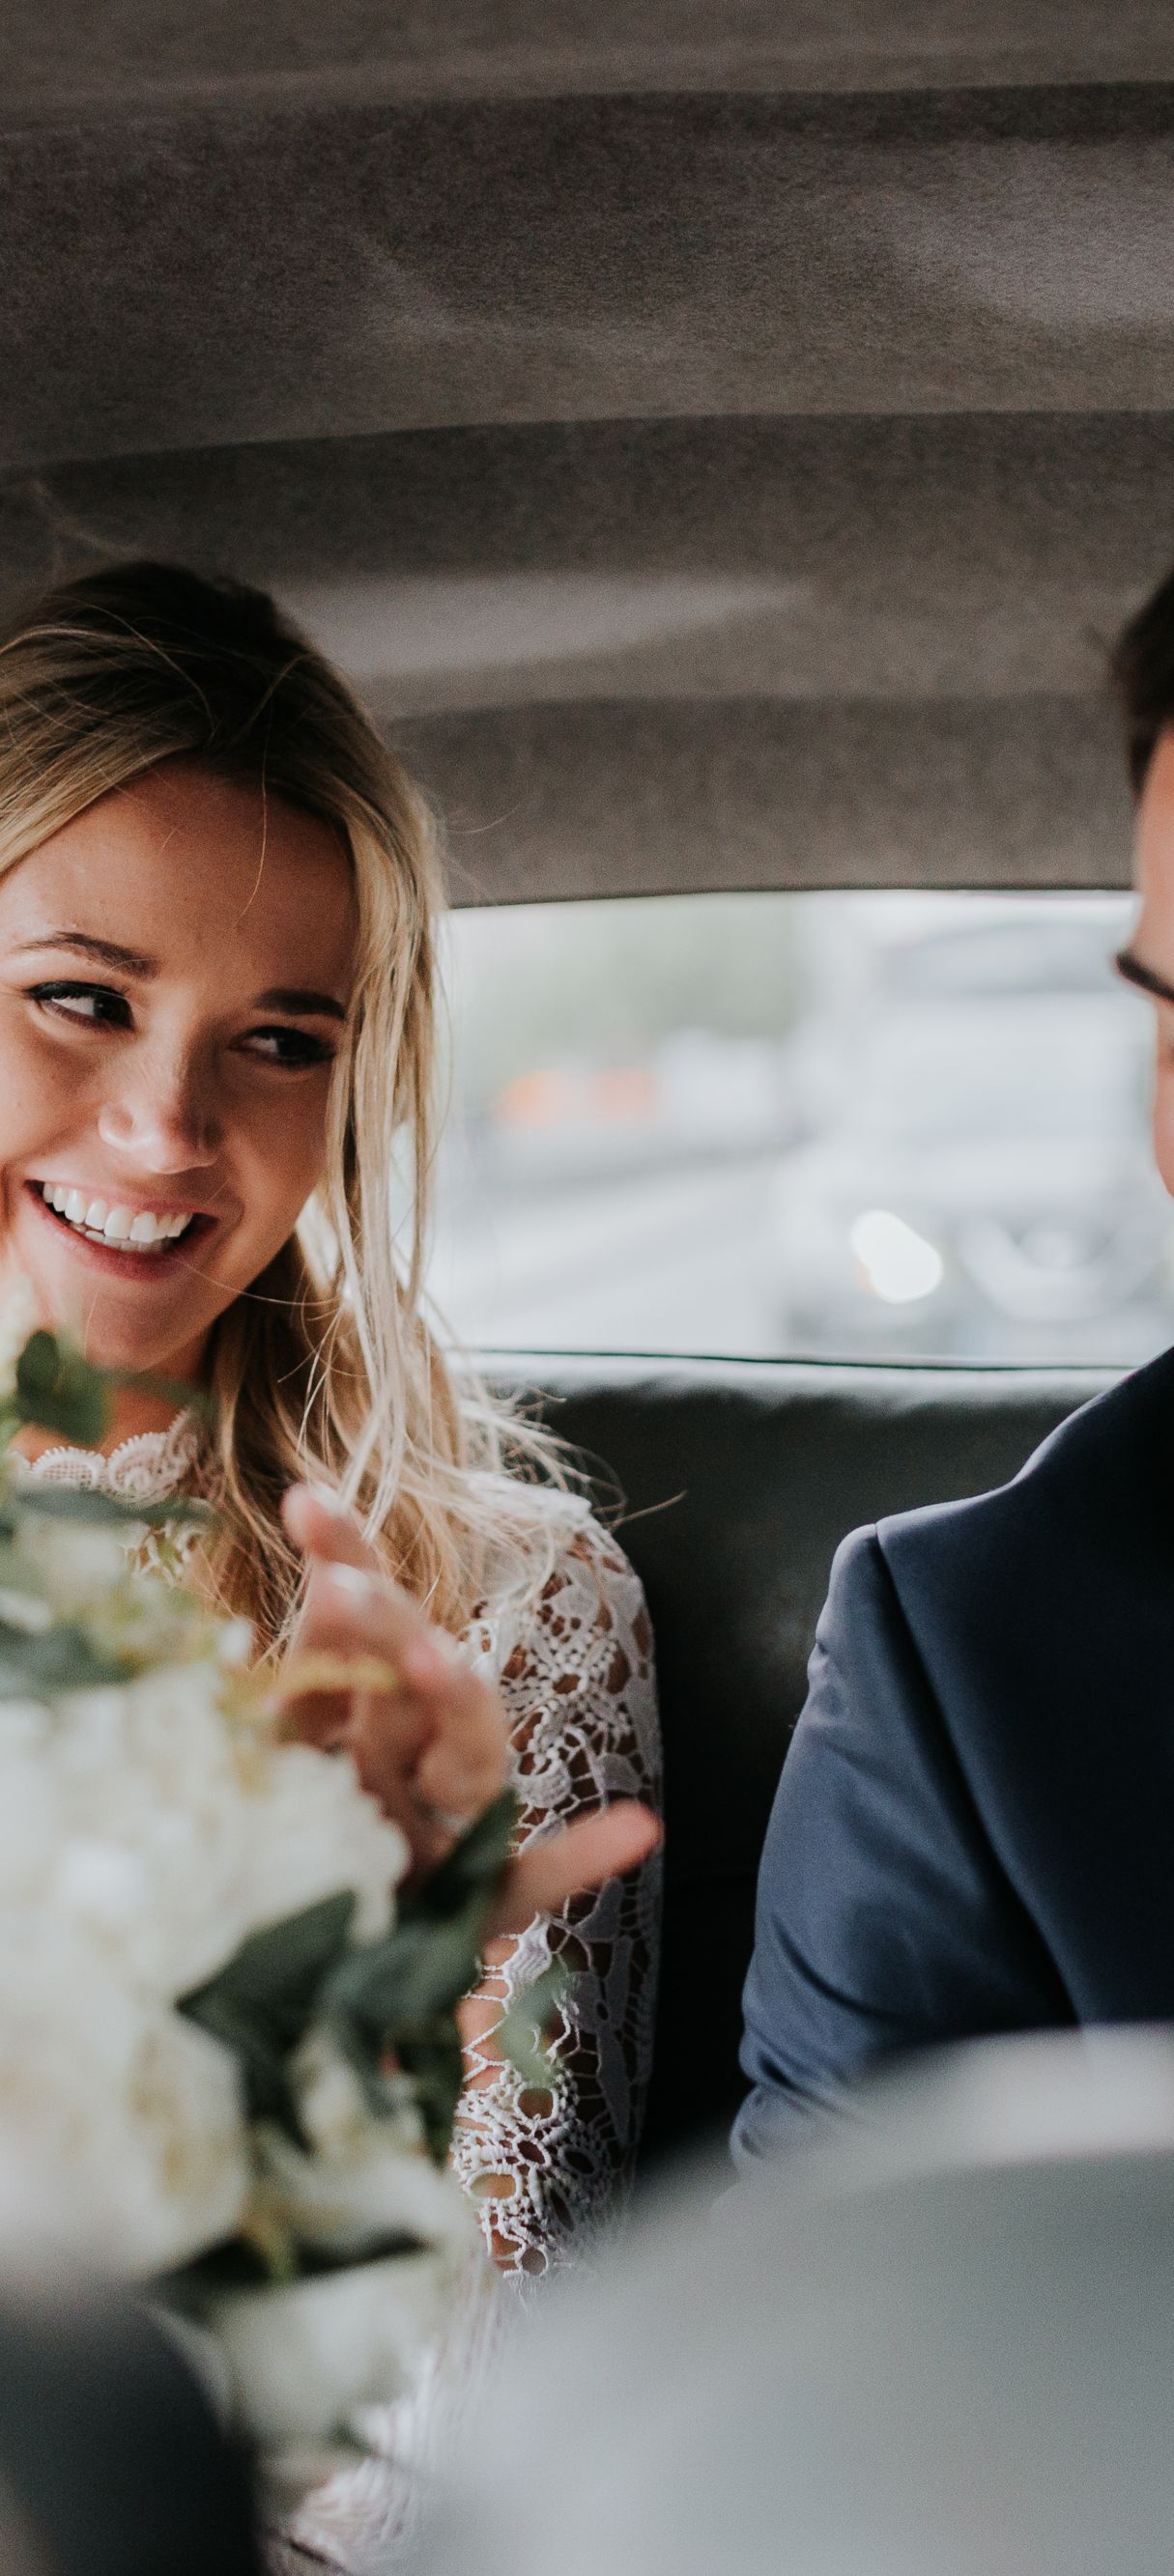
<point x="128" y="961"/>
<point x="106" y="951"/>
<point x="284" y="997"/>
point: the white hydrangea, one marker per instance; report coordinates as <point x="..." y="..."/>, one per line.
<point x="74" y="1569"/>
<point x="314" y="1829"/>
<point x="307" y="2362"/>
<point x="345" y="2206"/>
<point x="162" y="1833"/>
<point x="127" y="2114"/>
<point x="366" y="2179"/>
<point x="147" y="1829"/>
<point x="332" y="2107"/>
<point x="83" y="1572"/>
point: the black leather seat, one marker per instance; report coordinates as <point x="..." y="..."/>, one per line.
<point x="739" y="1479"/>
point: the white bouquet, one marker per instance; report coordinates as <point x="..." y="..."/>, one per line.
<point x="228" y="2053"/>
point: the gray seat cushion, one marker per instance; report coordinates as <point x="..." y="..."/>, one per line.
<point x="739" y="1480"/>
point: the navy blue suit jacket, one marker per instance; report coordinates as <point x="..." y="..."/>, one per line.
<point x="974" y="1830"/>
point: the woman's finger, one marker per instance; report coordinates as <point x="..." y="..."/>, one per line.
<point x="459" y="1735"/>
<point x="323" y="1527"/>
<point x="434" y="1748"/>
<point x="578" y="1858"/>
<point x="349" y="1589"/>
<point x="327" y="1534"/>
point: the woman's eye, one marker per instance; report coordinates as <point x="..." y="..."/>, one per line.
<point x="290" y="1047"/>
<point x="89" y="1005"/>
<point x="99" y="1006"/>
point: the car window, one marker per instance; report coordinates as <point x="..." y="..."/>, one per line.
<point x="862" y="1125"/>
<point x="1076" y="1068"/>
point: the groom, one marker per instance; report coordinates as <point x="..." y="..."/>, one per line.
<point x="974" y="1832"/>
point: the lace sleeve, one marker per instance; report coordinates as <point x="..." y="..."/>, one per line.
<point x="545" y="2169"/>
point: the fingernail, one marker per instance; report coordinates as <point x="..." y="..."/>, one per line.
<point x="349" y="1583"/>
<point x="424" y="1660"/>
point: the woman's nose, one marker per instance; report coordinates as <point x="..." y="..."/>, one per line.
<point x="163" y="1115"/>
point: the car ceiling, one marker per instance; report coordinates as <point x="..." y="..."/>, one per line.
<point x="719" y="440"/>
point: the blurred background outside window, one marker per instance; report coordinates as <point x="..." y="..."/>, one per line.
<point x="770" y="1124"/>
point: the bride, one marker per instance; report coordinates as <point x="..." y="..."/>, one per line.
<point x="218" y="893"/>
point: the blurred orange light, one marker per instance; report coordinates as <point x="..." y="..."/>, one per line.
<point x="549" y="1096"/>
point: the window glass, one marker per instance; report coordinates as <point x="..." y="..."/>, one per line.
<point x="867" y="1125"/>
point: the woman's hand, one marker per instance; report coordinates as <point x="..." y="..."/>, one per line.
<point x="434" y="1749"/>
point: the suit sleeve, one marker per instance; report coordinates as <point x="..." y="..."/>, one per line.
<point x="885" y="1922"/>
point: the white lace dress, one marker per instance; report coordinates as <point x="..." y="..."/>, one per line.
<point x="545" y="2171"/>
<point x="577" y="1681"/>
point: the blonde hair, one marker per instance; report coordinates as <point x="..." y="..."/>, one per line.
<point x="326" y="1367"/>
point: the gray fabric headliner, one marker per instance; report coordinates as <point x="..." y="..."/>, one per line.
<point x="131" y="52"/>
<point x="734" y="479"/>
<point x="207" y="280"/>
<point x="798" y="559"/>
<point x="655" y="796"/>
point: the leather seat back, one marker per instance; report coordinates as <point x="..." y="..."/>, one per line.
<point x="739" y="1480"/>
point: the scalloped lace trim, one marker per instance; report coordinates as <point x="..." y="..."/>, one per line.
<point x="145" y="1469"/>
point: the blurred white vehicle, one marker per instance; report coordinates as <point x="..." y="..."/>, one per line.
<point x="985" y="1185"/>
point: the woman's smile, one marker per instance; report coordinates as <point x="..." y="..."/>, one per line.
<point x="125" y="1240"/>
<point x="164" y="1071"/>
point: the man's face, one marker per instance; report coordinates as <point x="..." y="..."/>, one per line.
<point x="1151" y="947"/>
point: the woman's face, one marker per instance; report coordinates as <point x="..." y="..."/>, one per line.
<point x="175" y="966"/>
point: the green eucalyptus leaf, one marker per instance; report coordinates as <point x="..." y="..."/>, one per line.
<point x="42" y="1665"/>
<point x="475" y="1864"/>
<point x="519" y="2032"/>
<point x="234" y="2265"/>
<point x="315" y="2260"/>
<point x="19" y="1571"/>
<point x="260" y="2004"/>
<point x="417" y="1972"/>
<point x="268" y="2092"/>
<point x="100" y="1510"/>
<point x="432" y="2057"/>
<point x="401" y="1993"/>
<point x="58" y="1390"/>
<point x="275" y="1976"/>
<point x="36" y="1368"/>
<point x="429" y="2054"/>
<point x="239" y="2265"/>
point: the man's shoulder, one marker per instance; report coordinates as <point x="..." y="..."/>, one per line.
<point x="1101" y="1485"/>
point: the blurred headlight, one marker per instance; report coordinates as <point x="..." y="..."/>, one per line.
<point x="897" y="1263"/>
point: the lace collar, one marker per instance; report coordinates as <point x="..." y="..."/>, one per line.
<point x="143" y="1470"/>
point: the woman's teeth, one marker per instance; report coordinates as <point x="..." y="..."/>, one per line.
<point x="100" y="1223"/>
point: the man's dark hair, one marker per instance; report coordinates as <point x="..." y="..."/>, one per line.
<point x="1142" y="669"/>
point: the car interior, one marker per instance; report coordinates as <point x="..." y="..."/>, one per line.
<point x="720" y="445"/>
